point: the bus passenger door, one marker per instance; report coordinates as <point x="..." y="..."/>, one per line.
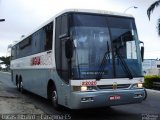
<point x="60" y="56"/>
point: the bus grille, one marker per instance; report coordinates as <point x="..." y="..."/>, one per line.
<point x="119" y="86"/>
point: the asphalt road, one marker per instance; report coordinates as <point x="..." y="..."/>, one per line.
<point x="147" y="110"/>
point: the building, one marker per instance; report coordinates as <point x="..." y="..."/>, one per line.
<point x="151" y="67"/>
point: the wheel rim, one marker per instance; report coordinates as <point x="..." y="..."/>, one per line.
<point x="54" y="98"/>
<point x="21" y="86"/>
<point x="17" y="85"/>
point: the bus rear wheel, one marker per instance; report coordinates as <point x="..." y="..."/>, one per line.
<point x="17" y="83"/>
<point x="18" y="86"/>
<point x="21" y="87"/>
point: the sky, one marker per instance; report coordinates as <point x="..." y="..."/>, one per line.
<point x="23" y="16"/>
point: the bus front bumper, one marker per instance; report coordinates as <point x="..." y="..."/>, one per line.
<point x="80" y="100"/>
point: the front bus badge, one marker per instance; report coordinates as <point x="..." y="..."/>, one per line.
<point x="114" y="85"/>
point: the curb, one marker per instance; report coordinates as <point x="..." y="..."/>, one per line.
<point x="5" y="72"/>
<point x="155" y="91"/>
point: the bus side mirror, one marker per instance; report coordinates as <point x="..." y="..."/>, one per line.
<point x="142" y="52"/>
<point x="69" y="49"/>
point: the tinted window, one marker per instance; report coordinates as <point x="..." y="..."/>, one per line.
<point x="24" y="48"/>
<point x="13" y="53"/>
<point x="118" y="22"/>
<point x="89" y="20"/>
<point x="39" y="41"/>
<point x="48" y="29"/>
<point x="61" y="33"/>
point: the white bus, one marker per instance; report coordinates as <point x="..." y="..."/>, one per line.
<point x="81" y="59"/>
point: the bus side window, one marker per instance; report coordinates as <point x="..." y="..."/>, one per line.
<point x="48" y="36"/>
<point x="36" y="39"/>
<point x="13" y="53"/>
<point x="24" y="48"/>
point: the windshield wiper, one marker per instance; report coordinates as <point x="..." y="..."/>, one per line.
<point x="124" y="65"/>
<point x="103" y="63"/>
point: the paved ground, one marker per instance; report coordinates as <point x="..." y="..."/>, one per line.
<point x="18" y="105"/>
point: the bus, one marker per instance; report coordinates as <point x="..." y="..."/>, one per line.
<point x="81" y="59"/>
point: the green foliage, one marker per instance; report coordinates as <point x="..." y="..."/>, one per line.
<point x="5" y="60"/>
<point x="151" y="9"/>
<point x="158" y="26"/>
<point x="148" y="81"/>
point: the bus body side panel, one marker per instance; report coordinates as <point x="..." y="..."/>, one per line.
<point x="36" y="81"/>
<point x="63" y="89"/>
<point x="13" y="74"/>
<point x="33" y="80"/>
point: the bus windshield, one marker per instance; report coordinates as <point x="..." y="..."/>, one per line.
<point x="105" y="45"/>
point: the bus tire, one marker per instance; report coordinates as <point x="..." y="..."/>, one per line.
<point x="21" y="87"/>
<point x="145" y="96"/>
<point x="18" y="85"/>
<point x="54" y="98"/>
<point x="17" y="82"/>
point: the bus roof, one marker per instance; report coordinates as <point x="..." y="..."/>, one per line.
<point x="102" y="12"/>
<point x="105" y="12"/>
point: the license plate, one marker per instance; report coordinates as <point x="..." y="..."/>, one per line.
<point x="115" y="97"/>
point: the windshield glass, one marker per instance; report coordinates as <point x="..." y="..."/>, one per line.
<point x="125" y="47"/>
<point x="93" y="37"/>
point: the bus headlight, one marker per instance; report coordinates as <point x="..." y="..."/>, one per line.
<point x="138" y="85"/>
<point x="83" y="88"/>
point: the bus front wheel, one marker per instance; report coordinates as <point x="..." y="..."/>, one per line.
<point x="145" y="97"/>
<point x="54" y="98"/>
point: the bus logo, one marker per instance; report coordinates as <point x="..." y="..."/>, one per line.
<point x="115" y="85"/>
<point x="41" y="60"/>
<point x="36" y="61"/>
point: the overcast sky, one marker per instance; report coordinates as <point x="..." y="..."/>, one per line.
<point x="23" y="16"/>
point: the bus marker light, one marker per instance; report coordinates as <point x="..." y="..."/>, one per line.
<point x="87" y="99"/>
<point x="138" y="95"/>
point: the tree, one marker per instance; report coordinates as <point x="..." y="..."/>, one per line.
<point x="5" y="60"/>
<point x="151" y="9"/>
